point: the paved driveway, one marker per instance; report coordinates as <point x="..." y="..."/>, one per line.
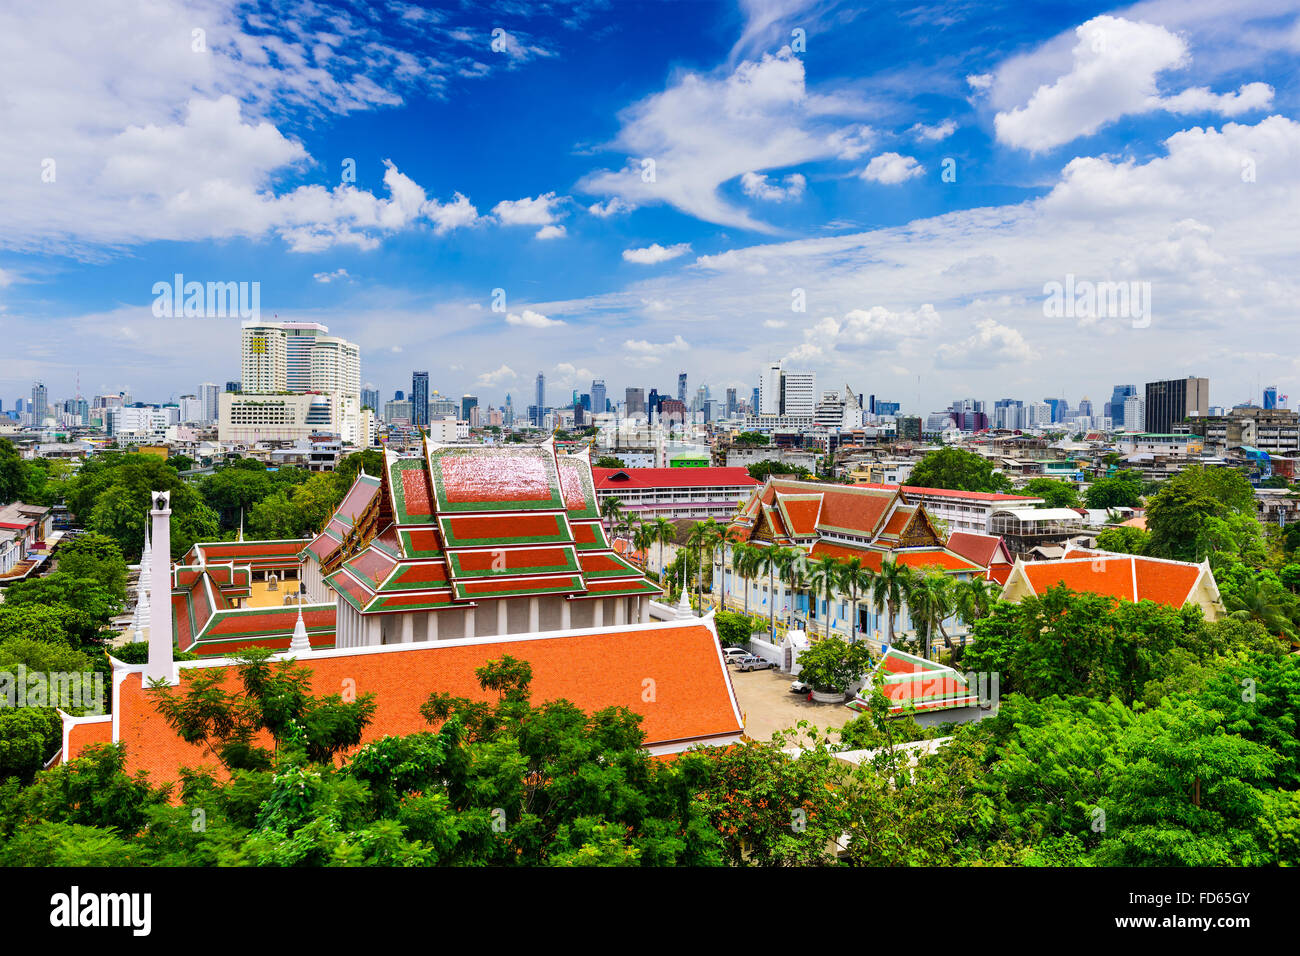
<point x="768" y="705"/>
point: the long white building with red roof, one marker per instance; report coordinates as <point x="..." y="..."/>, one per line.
<point x="672" y="493"/>
<point x="961" y="510"/>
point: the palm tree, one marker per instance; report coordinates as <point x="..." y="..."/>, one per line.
<point x="887" y="592"/>
<point x="974" y="598"/>
<point x="794" y="568"/>
<point x="929" y="599"/>
<point x="611" y="510"/>
<point x="1251" y="602"/>
<point x="857" y="581"/>
<point x="643" y="535"/>
<point x="665" y="532"/>
<point x="704" y="536"/>
<point x="824" y="575"/>
<point x="744" y="562"/>
<point x="768" y="560"/>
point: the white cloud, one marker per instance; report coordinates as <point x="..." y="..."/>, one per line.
<point x="991" y="344"/>
<point x="655" y="253"/>
<point x="640" y="352"/>
<point x="539" y="211"/>
<point x="551" y="232"/>
<point x="611" y="207"/>
<point x="703" y="131"/>
<point x="151" y="139"/>
<point x="759" y="187"/>
<point x="533" y="320"/>
<point x="891" y="169"/>
<point x="502" y="373"/>
<point x="934" y="133"/>
<point x="1113" y="74"/>
<point x="328" y="277"/>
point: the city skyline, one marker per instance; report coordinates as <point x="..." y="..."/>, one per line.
<point x="875" y="210"/>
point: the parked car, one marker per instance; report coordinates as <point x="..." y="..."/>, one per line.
<point x="799" y="687"/>
<point x="733" y="654"/>
<point x="751" y="662"/>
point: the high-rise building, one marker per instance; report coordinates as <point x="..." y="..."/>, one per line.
<point x="769" y="389"/>
<point x="1134" y="414"/>
<point x="468" y="408"/>
<point x="420" y="399"/>
<point x="298" y="358"/>
<point x="681" y="387"/>
<point x="209" y="395"/>
<point x="1115" y="407"/>
<point x="234" y="386"/>
<point x="370" y="399"/>
<point x="1270" y="397"/>
<point x="1085" y="407"/>
<point x="598" y="396"/>
<point x="731" y="402"/>
<point x="40" y="404"/>
<point x="1171" y="401"/>
<point x="635" y="402"/>
<point x="508" y="413"/>
<point x="540" y="404"/>
<point x="799" y="394"/>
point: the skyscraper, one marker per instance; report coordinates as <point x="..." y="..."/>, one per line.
<point x="468" y="406"/>
<point x="769" y="389"/>
<point x="420" y="399"/>
<point x="1171" y="401"/>
<point x="301" y="357"/>
<point x="370" y="399"/>
<point x="598" y="396"/>
<point x="1270" y="397"/>
<point x="681" y="387"/>
<point x="539" y="413"/>
<point x="731" y="402"/>
<point x="1118" y="400"/>
<point x="40" y="404"/>
<point x="1134" y="414"/>
<point x="635" y="402"/>
<point x="508" y="413"/>
<point x="209" y="396"/>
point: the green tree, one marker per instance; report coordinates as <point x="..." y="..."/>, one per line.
<point x="831" y="665"/>
<point x="1123" y="489"/>
<point x="1123" y="539"/>
<point x="97" y="557"/>
<point x="609" y="461"/>
<point x="1054" y="492"/>
<point x="959" y="470"/>
<point x="762" y="470"/>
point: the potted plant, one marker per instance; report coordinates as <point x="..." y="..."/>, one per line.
<point x="830" y="666"/>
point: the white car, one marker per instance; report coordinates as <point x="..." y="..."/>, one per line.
<point x="732" y="654"/>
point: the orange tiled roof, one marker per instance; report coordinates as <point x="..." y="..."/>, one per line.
<point x="1123" y="576"/>
<point x="692" y="702"/>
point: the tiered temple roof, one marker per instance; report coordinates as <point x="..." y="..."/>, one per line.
<point x="913" y="683"/>
<point x="462" y="524"/>
<point x="206" y="622"/>
<point x="846" y="522"/>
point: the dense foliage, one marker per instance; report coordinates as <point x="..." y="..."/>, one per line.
<point x="959" y="470"/>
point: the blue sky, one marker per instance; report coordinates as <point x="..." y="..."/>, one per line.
<point x="799" y="152"/>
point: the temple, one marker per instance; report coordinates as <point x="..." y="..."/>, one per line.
<point x="472" y="541"/>
<point x="871" y="524"/>
<point x="445" y="562"/>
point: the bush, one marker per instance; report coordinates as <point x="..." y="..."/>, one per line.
<point x="733" y="629"/>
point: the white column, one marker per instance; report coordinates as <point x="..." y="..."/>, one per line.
<point x="503" y="616"/>
<point x="566" y="614"/>
<point x="374" y="635"/>
<point x="162" y="663"/>
<point x="598" y="613"/>
<point x="534" y="616"/>
<point x="645" y="608"/>
<point x="408" y="627"/>
<point x="433" y="625"/>
<point x="620" y="611"/>
<point x="469" y="622"/>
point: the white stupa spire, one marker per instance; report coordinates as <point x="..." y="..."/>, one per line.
<point x="300" y="644"/>
<point x="162" y="661"/>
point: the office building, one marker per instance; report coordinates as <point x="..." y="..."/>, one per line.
<point x="634" y="402"/>
<point x="1134" y="414"/>
<point x="1169" y="402"/>
<point x="370" y="398"/>
<point x="420" y="399"/>
<point x="681" y="387"/>
<point x="209" y="394"/>
<point x="40" y="404"/>
<point x="598" y="396"/>
<point x="1270" y="397"/>
<point x="469" y="408"/>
